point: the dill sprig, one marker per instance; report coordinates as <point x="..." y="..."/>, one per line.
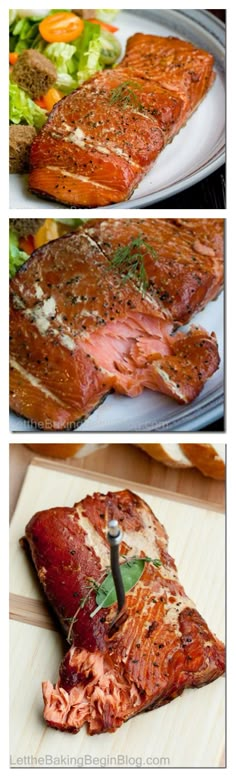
<point x="124" y="95"/>
<point x="129" y="261"/>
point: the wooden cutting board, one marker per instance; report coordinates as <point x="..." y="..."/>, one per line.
<point x="189" y="732"/>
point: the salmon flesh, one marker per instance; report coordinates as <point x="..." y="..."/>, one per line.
<point x="100" y="140"/>
<point x="163" y="647"/>
<point x="80" y="328"/>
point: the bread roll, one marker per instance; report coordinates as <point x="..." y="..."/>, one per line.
<point x="209" y="459"/>
<point x="171" y="455"/>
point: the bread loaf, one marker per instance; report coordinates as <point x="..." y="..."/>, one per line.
<point x="209" y="459"/>
<point x="171" y="455"/>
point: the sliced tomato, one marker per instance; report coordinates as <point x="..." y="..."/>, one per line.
<point x="62" y="27"/>
<point x="104" y="25"/>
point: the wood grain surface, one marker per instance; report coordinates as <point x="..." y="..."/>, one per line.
<point x="127" y="462"/>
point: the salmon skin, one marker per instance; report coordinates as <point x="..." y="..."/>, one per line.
<point x="163" y="647"/>
<point x="80" y="330"/>
<point x="100" y="140"/>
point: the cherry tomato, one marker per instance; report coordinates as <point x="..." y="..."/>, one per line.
<point x="62" y="27"/>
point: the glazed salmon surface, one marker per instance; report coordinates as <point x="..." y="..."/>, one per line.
<point x="80" y="328"/>
<point x="184" y="268"/>
<point x="175" y="64"/>
<point x="163" y="644"/>
<point x="100" y="140"/>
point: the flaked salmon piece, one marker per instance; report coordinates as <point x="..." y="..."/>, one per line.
<point x="100" y="140"/>
<point x="183" y="374"/>
<point x="78" y="331"/>
<point x="163" y="647"/>
<point x="184" y="261"/>
<point x="176" y="365"/>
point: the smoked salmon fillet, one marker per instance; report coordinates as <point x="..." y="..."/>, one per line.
<point x="100" y="140"/>
<point x="79" y="328"/>
<point x="163" y="647"/>
<point x="185" y="268"/>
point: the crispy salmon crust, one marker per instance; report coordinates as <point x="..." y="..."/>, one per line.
<point x="100" y="140"/>
<point x="163" y="646"/>
<point x="79" y="330"/>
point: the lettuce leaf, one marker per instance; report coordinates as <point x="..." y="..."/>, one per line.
<point x="16" y="256"/>
<point x="12" y="16"/>
<point x="61" y="55"/>
<point x="89" y="62"/>
<point x="23" y="109"/>
<point x="107" y="16"/>
<point x="79" y="61"/>
<point x="24" y="34"/>
<point x="88" y="50"/>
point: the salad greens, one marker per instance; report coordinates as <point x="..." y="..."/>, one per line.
<point x="95" y="49"/>
<point x="16" y="256"/>
<point x="61" y="54"/>
<point x="107" y="16"/>
<point x="75" y="62"/>
<point x="24" y="34"/>
<point x="23" y="109"/>
<point x="71" y="222"/>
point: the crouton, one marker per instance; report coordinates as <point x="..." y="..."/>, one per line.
<point x="34" y="73"/>
<point x="20" y="139"/>
<point x="25" y="227"/>
<point x="86" y="14"/>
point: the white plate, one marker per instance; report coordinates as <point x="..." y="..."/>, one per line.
<point x="199" y="147"/>
<point x="153" y="411"/>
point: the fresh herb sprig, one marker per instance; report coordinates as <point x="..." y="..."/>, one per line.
<point x="131" y="571"/>
<point x="129" y="261"/>
<point x="93" y="587"/>
<point x="124" y="95"/>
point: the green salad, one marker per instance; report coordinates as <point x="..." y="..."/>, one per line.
<point x="76" y="57"/>
<point x="21" y="244"/>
